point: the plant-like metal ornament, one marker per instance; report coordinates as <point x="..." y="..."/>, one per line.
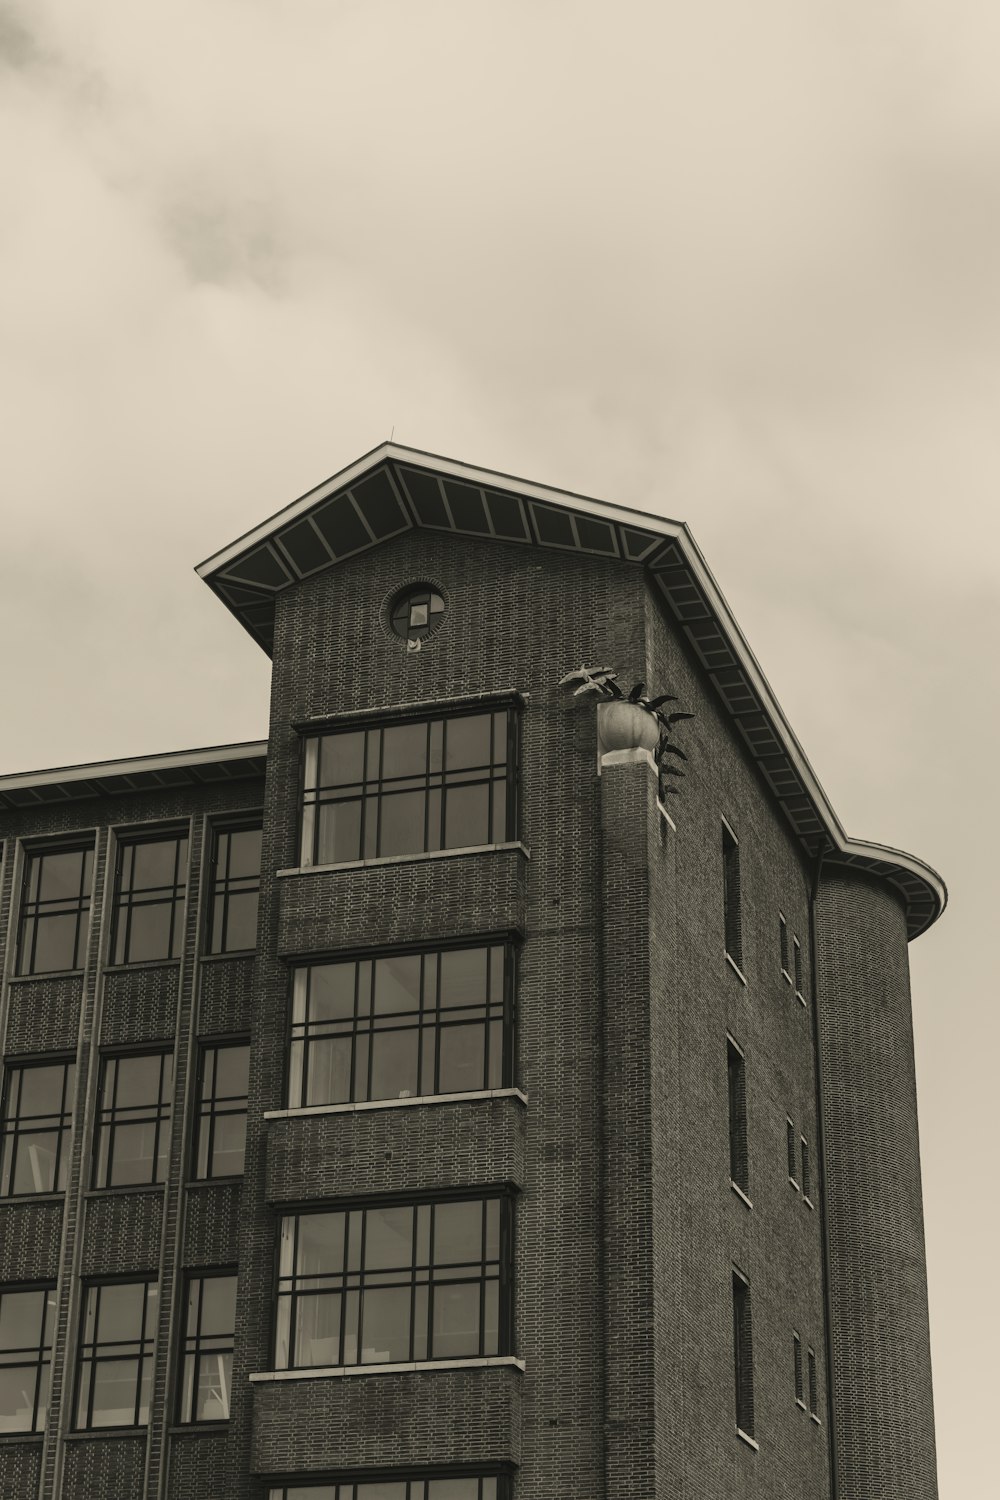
<point x="604" y="682"/>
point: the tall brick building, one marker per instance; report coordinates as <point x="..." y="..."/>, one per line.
<point x="420" y="1104"/>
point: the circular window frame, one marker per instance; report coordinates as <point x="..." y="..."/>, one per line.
<point x="395" y="597"/>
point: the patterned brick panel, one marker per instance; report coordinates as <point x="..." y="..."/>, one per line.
<point x="121" y="1234"/>
<point x="104" y="1469"/>
<point x="401" y="903"/>
<point x="419" y="1417"/>
<point x="30" y="1234"/>
<point x="226" y="985"/>
<point x="20" y="1470"/>
<point x="211" y="1225"/>
<point x="466" y="1144"/>
<point x="140" y="1005"/>
<point x="882" y="1395"/>
<point x="197" y="1466"/>
<point x="43" y="1015"/>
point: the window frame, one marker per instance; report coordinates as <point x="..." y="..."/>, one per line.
<point x="743" y="1353"/>
<point x="432" y="782"/>
<point x="64" y="1129"/>
<point x="210" y="1114"/>
<point x="159" y="1113"/>
<point x="739" y="1146"/>
<point x="505" y="1277"/>
<point x="279" y="1484"/>
<point x="122" y="908"/>
<point x="83" y="911"/>
<point x="250" y="822"/>
<point x="40" y="1363"/>
<point x="732" y="892"/>
<point x="799" y="963"/>
<point x="505" y="942"/>
<point x="147" y="1343"/>
<point x="783" y="948"/>
<point x="195" y="1351"/>
<point x="798" y="1374"/>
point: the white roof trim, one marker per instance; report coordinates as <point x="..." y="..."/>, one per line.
<point x="98" y="769"/>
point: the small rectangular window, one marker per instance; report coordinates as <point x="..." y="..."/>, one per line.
<point x="783" y="947"/>
<point x="813" y="1386"/>
<point x="221" y="1119"/>
<point x="133" y="1119"/>
<point x="115" y="1368"/>
<point x="209" y="1333"/>
<point x="806" y="1170"/>
<point x="743" y="1353"/>
<point x="790" y="1146"/>
<point x="235" y="889"/>
<point x="55" y="909"/>
<point x="408" y="788"/>
<point x="393" y="1283"/>
<point x="150" y="887"/>
<point x="35" y="1121"/>
<point x="797" y="1366"/>
<point x="800" y="988"/>
<point x="739" y="1166"/>
<point x="731" y="896"/>
<point x="464" y="1487"/>
<point x="401" y="1026"/>
<point x="26" y="1319"/>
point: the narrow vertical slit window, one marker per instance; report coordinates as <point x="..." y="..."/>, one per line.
<point x="55" y="909"/>
<point x="797" y="1367"/>
<point x="783" y="948"/>
<point x="800" y="984"/>
<point x="813" y="1386"/>
<point x="791" y="1153"/>
<point x="35" y="1120"/>
<point x="743" y="1353"/>
<point x="739" y="1164"/>
<point x="232" y="926"/>
<point x="806" y="1170"/>
<point x="731" y="896"/>
<point x="207" y="1367"/>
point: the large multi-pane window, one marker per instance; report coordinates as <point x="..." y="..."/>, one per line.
<point x="150" y="886"/>
<point x="232" y="925"/>
<point x="221" y="1121"/>
<point x="133" y="1119"/>
<point x="55" y="909"/>
<point x="34" y="1127"/>
<point x="115" y="1371"/>
<point x="26" y="1317"/>
<point x="400" y="1026"/>
<point x="207" y="1367"/>
<point x="463" y="1487"/>
<point x="408" y="788"/>
<point x="390" y="1283"/>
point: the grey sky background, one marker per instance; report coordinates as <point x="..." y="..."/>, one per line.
<point x="736" y="264"/>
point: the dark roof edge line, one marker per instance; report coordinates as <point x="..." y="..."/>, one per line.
<point x="91" y="770"/>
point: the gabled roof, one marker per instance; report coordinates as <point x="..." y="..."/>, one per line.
<point x="394" y="489"/>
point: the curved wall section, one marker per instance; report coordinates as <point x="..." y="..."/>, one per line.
<point x="883" y="1410"/>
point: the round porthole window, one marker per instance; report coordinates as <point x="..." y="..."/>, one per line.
<point x="416" y="612"/>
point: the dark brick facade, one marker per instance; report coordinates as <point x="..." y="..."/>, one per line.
<point x="627" y="1228"/>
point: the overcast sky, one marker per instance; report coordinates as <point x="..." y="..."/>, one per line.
<point x="737" y="264"/>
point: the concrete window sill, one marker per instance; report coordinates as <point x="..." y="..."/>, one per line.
<point x="743" y="1197"/>
<point x="368" y="1104"/>
<point x="327" y="1372"/>
<point x="746" y="1438"/>
<point x="736" y="969"/>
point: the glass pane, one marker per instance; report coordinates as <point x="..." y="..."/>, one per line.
<point x="215" y="1379"/>
<point x="133" y="1158"/>
<point x="467" y="742"/>
<point x="329" y="1071"/>
<point x="149" y="933"/>
<point x="21" y="1320"/>
<point x="457" y="1489"/>
<point x="320" y="1244"/>
<point x="45" y="1380"/>
<point x="17" y="1397"/>
<point x="35" y="1163"/>
<point x="388" y="1238"/>
<point x="394" y="1064"/>
<point x="232" y="1070"/>
<point x="153" y="864"/>
<point x="55" y="943"/>
<point x="228" y="1146"/>
<point x="317" y="1329"/>
<point x="458" y="1233"/>
<point x="404" y="750"/>
<point x="463" y="976"/>
<point x="145" y="1386"/>
<point x="397" y="984"/>
<point x="466" y="816"/>
<point x="491" y="1318"/>
<point x="241" y="921"/>
<point x="495" y="1079"/>
<point x="331" y="992"/>
<point x="120" y="1316"/>
<point x="463" y="1060"/>
<point x="41" y="1091"/>
<point x="339" y="837"/>
<point x="307" y="1492"/>
<point x="244" y="852"/>
<point x="385" y="1333"/>
<point x="342" y="759"/>
<point x="218" y="1312"/>
<point x="114" y="1388"/>
<point x="60" y="874"/>
<point x="401" y="830"/>
<point x="385" y="1489"/>
<point x="456" y="1320"/>
<point x="138" y="1080"/>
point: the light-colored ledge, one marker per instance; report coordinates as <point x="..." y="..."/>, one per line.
<point x="743" y="1197"/>
<point x="736" y="969"/>
<point x="406" y="859"/>
<point x="327" y="1372"/>
<point x="745" y="1436"/>
<point x="350" y="1109"/>
<point x="666" y="816"/>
